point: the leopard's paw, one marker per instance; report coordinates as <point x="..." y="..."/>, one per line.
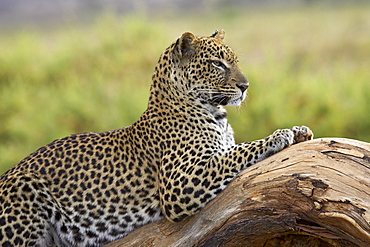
<point x="281" y="139"/>
<point x="302" y="133"/>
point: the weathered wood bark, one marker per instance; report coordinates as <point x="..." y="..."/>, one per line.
<point x="315" y="193"/>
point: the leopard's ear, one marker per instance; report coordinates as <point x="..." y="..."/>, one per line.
<point x="219" y="34"/>
<point x="185" y="46"/>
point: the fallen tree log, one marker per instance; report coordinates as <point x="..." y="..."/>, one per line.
<point x="315" y="193"/>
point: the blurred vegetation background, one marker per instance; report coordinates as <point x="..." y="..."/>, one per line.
<point x="308" y="63"/>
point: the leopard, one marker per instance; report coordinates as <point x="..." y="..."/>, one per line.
<point x="89" y="189"/>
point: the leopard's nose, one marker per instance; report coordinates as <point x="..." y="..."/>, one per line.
<point x="243" y="86"/>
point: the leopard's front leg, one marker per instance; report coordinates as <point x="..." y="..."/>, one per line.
<point x="279" y="140"/>
<point x="188" y="182"/>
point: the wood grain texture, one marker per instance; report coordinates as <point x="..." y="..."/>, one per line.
<point x="315" y="193"/>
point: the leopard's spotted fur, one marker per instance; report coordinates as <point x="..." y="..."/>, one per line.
<point x="91" y="188"/>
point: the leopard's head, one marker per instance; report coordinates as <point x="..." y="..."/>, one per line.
<point x="209" y="69"/>
<point x="201" y="68"/>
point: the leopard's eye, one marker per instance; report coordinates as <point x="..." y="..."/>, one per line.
<point x="218" y="64"/>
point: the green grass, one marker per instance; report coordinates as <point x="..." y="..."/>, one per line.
<point x="306" y="65"/>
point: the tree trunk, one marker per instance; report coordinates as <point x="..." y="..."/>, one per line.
<point x="315" y="193"/>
